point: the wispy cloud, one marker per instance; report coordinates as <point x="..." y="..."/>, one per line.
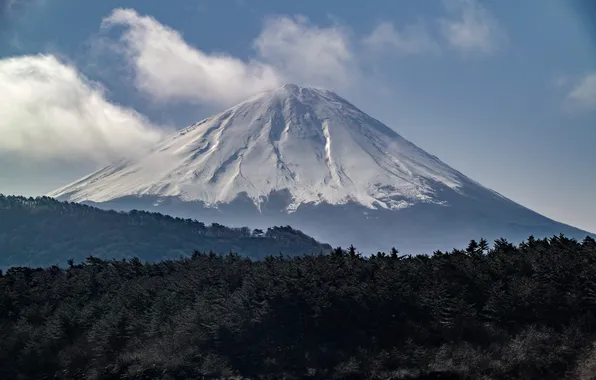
<point x="168" y="69"/>
<point x="305" y="53"/>
<point x="467" y="27"/>
<point x="583" y="94"/>
<point x="412" y="39"/>
<point x="49" y="111"/>
<point x="471" y="28"/>
<point x="288" y="49"/>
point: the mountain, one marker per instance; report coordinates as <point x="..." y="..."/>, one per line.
<point x="307" y="157"/>
<point x="43" y="232"/>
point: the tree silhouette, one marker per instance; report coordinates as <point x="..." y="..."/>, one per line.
<point x="510" y="312"/>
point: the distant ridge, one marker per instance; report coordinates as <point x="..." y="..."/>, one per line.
<point x="43" y="231"/>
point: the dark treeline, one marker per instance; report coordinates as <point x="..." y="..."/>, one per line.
<point x="44" y="231"/>
<point x="509" y="312"/>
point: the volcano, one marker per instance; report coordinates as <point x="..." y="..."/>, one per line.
<point x="306" y="157"/>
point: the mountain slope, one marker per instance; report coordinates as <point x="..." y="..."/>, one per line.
<point x="306" y="140"/>
<point x="43" y="231"/>
<point x="301" y="155"/>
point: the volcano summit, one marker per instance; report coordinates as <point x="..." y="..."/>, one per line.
<point x="307" y="157"/>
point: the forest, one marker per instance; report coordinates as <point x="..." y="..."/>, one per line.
<point x="502" y="311"/>
<point x="43" y="232"/>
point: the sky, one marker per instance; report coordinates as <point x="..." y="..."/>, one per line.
<point x="502" y="90"/>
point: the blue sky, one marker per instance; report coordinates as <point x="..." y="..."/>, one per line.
<point x="504" y="91"/>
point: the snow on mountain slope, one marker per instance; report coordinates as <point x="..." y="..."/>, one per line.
<point x="308" y="141"/>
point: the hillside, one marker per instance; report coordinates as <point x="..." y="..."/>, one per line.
<point x="43" y="231"/>
<point x="510" y="312"/>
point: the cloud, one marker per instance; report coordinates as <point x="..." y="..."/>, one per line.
<point x="472" y="29"/>
<point x="167" y="69"/>
<point x="413" y="39"/>
<point x="583" y="95"/>
<point x="305" y="53"/>
<point x="50" y="113"/>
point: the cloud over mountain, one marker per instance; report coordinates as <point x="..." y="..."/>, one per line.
<point x="471" y="28"/>
<point x="168" y="69"/>
<point x="51" y="113"/>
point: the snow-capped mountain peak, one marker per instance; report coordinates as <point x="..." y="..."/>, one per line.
<point x="307" y="141"/>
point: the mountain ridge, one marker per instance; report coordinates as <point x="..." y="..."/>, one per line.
<point x="43" y="231"/>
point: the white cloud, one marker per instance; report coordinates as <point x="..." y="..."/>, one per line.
<point x="413" y="39"/>
<point x="168" y="69"/>
<point x="584" y="93"/>
<point x="49" y="112"/>
<point x="473" y="29"/>
<point x="288" y="50"/>
<point x="306" y="53"/>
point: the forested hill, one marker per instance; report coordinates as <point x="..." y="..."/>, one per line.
<point x="511" y="312"/>
<point x="43" y="231"/>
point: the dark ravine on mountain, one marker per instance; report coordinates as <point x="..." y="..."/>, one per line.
<point x="306" y="157"/>
<point x="43" y="232"/>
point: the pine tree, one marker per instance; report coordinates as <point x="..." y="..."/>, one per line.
<point x="337" y="252"/>
<point x="394" y="253"/>
<point x="352" y="251"/>
<point x="473" y="247"/>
